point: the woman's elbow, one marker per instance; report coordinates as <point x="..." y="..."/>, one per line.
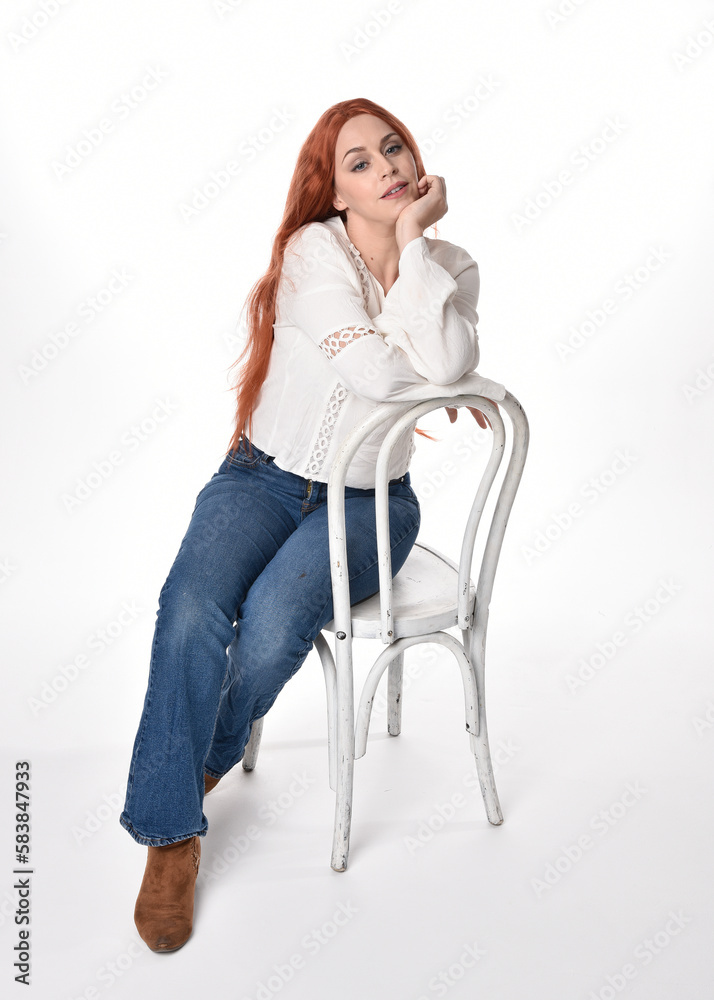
<point x="451" y="369"/>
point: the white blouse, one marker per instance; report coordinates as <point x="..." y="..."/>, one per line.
<point x="341" y="346"/>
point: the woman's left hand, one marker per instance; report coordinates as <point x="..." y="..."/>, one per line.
<point x="480" y="418"/>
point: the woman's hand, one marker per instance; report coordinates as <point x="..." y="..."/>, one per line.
<point x="430" y="205"/>
<point x="478" y="416"/>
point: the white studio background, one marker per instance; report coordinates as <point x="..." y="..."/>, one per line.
<point x="576" y="142"/>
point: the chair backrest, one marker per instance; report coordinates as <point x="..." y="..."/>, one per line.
<point x="407" y="413"/>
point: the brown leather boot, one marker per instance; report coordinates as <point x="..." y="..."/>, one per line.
<point x="164" y="907"/>
<point x="209" y="782"/>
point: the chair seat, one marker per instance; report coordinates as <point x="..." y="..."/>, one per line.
<point x="423" y="598"/>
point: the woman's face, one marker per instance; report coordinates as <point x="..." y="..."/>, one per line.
<point x="363" y="175"/>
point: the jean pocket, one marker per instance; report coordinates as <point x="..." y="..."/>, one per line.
<point x="239" y="458"/>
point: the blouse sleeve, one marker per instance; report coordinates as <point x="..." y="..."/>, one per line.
<point x="431" y="313"/>
<point x="377" y="358"/>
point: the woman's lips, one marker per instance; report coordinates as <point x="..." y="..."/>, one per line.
<point x="395" y="195"/>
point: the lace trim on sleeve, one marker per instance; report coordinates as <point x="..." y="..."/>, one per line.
<point x="335" y="342"/>
<point x="324" y="435"/>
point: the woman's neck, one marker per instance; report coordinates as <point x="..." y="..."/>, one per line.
<point x="378" y="249"/>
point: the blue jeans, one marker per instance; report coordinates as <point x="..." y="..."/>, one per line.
<point x="248" y="593"/>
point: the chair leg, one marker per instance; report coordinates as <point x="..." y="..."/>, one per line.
<point x="369" y="690"/>
<point x="484" y="768"/>
<point x="328" y="667"/>
<point x="394" y="695"/>
<point x="479" y="743"/>
<point x="250" y="755"/>
<point x="345" y="732"/>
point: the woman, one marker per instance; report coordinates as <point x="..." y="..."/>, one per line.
<point x="357" y="306"/>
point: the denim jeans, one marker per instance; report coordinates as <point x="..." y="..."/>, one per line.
<point x="248" y="593"/>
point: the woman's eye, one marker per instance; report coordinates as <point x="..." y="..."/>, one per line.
<point x="395" y="145"/>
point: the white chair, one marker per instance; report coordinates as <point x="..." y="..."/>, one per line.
<point x="430" y="593"/>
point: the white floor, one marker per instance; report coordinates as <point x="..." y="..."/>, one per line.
<point x="598" y="881"/>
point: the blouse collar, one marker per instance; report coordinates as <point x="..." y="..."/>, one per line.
<point x="335" y="222"/>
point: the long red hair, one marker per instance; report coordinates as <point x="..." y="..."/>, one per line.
<point x="309" y="199"/>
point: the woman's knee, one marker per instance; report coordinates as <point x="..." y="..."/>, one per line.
<point x="189" y="609"/>
<point x="273" y="634"/>
<point x="264" y="655"/>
